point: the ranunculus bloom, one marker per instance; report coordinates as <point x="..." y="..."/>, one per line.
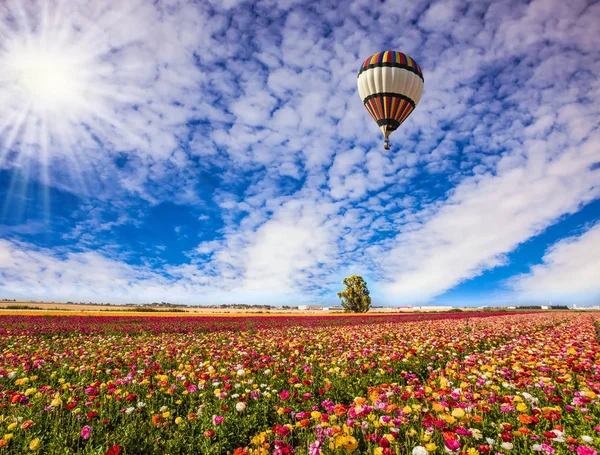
<point x="452" y="444"/>
<point x="585" y="450"/>
<point x="284" y="395"/>
<point x="114" y="450"/>
<point x="86" y="432"/>
<point x="34" y="444"/>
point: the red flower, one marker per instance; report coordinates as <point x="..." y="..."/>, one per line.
<point x="114" y="450"/>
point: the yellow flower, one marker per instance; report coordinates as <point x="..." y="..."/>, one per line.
<point x="57" y="401"/>
<point x="473" y="451"/>
<point x="8" y="436"/>
<point x="378" y="451"/>
<point x="350" y="443"/>
<point x="34" y="444"/>
<point x="12" y="426"/>
<point x="458" y="413"/>
<point x="166" y="414"/>
<point x="430" y="447"/>
<point x="437" y="407"/>
<point x="315" y="415"/>
<point x="178" y="420"/>
<point x="521" y="407"/>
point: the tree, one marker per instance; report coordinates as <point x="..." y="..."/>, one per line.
<point x="355" y="297"/>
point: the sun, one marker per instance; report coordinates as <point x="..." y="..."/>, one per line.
<point x="49" y="80"/>
<point x="61" y="83"/>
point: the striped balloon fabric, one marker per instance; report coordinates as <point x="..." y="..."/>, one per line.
<point x="390" y="85"/>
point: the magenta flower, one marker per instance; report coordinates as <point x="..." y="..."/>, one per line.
<point x="452" y="444"/>
<point x="86" y="432"/>
<point x="585" y="450"/>
<point x="217" y="420"/>
<point x="284" y="395"/>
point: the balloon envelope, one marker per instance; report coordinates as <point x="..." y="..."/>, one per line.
<point x="390" y="85"/>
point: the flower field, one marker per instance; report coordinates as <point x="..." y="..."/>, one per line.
<point x="462" y="383"/>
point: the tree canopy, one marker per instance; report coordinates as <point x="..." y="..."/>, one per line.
<point x="355" y="298"/>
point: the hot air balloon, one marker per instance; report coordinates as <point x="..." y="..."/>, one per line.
<point x="390" y="85"/>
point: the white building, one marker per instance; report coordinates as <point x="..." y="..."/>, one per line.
<point x="310" y="307"/>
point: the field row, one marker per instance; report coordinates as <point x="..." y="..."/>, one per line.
<point x="382" y="385"/>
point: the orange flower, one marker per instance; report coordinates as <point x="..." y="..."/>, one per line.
<point x="339" y="410"/>
<point x="524" y="418"/>
<point x="524" y="430"/>
<point x="157" y="420"/>
<point x="449" y="435"/>
<point x="304" y="422"/>
<point x="26" y="424"/>
<point x="477" y="418"/>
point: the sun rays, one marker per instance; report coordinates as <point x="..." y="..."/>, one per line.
<point x="58" y="89"/>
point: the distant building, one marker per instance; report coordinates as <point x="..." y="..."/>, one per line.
<point x="310" y="307"/>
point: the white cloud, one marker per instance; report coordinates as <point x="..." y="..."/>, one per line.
<point x="570" y="271"/>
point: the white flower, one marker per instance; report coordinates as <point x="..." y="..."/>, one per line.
<point x="537" y="447"/>
<point x="164" y="408"/>
<point x="420" y="450"/>
<point x="267" y="372"/>
<point x="475" y="433"/>
<point x="235" y="395"/>
<point x="129" y="410"/>
<point x="587" y="438"/>
<point x="12" y="374"/>
<point x="241" y="372"/>
<point x="240" y="407"/>
<point x="490" y="441"/>
<point x="141" y="404"/>
<point x="237" y="385"/>
<point x="507" y="445"/>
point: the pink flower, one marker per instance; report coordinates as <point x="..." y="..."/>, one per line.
<point x="86" y="432"/>
<point x="217" y="420"/>
<point x="452" y="444"/>
<point x="284" y="395"/>
<point x="585" y="450"/>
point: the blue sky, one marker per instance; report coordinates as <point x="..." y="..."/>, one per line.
<point x="218" y="152"/>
